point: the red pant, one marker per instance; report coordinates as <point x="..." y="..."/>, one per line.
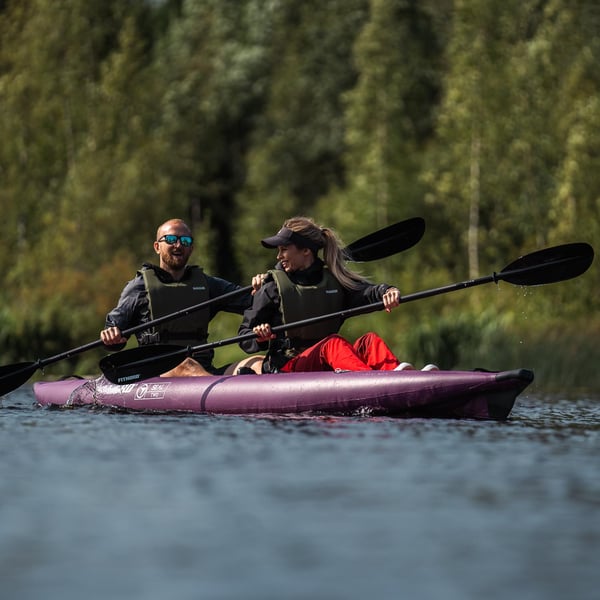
<point x="334" y="352"/>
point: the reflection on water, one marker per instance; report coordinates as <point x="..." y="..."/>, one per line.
<point x="98" y="504"/>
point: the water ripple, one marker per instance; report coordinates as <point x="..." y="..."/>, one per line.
<point x="100" y="504"/>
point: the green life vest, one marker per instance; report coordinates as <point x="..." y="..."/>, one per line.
<point x="299" y="302"/>
<point x="167" y="298"/>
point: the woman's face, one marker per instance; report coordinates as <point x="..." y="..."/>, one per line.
<point x="293" y="258"/>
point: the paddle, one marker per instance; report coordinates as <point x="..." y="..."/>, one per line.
<point x="387" y="241"/>
<point x="380" y="244"/>
<point x="551" y="265"/>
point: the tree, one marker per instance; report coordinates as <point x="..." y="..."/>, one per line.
<point x="388" y="118"/>
<point x="298" y="142"/>
<point x="52" y="56"/>
<point x="214" y="63"/>
<point x="573" y="50"/>
<point x="489" y="170"/>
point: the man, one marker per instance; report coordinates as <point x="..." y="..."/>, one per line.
<point x="172" y="286"/>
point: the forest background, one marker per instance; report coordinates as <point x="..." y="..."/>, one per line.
<point x="481" y="117"/>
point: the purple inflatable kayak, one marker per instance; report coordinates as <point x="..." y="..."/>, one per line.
<point x="443" y="394"/>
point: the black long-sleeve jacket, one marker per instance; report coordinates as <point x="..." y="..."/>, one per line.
<point x="133" y="307"/>
<point x="266" y="309"/>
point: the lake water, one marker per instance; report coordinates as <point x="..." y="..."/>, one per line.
<point x="97" y="505"/>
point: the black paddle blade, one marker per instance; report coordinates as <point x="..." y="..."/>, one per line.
<point x="14" y="376"/>
<point x="387" y="241"/>
<point x="550" y="265"/>
<point x="129" y="366"/>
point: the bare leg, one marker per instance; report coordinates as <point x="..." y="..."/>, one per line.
<point x="252" y="362"/>
<point x="187" y="368"/>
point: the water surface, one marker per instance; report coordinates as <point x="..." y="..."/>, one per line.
<point x="97" y="504"/>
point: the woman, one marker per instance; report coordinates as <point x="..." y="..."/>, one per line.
<point x="302" y="286"/>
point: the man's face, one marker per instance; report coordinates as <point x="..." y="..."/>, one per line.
<point x="176" y="255"/>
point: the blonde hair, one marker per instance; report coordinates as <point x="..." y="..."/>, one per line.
<point x="333" y="256"/>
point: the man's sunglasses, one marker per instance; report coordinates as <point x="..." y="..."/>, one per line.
<point x="186" y="240"/>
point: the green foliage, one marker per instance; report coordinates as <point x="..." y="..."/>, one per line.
<point x="481" y="117"/>
<point x="389" y="110"/>
<point x="297" y="147"/>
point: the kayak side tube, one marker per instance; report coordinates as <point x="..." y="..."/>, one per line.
<point x="433" y="394"/>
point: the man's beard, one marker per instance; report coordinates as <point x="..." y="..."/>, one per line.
<point x="174" y="262"/>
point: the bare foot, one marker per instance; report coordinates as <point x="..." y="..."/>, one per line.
<point x="252" y="362"/>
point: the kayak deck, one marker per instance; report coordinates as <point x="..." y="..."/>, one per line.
<point x="443" y="394"/>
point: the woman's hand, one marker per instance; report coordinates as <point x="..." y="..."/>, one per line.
<point x="257" y="281"/>
<point x="391" y="298"/>
<point x="263" y="333"/>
